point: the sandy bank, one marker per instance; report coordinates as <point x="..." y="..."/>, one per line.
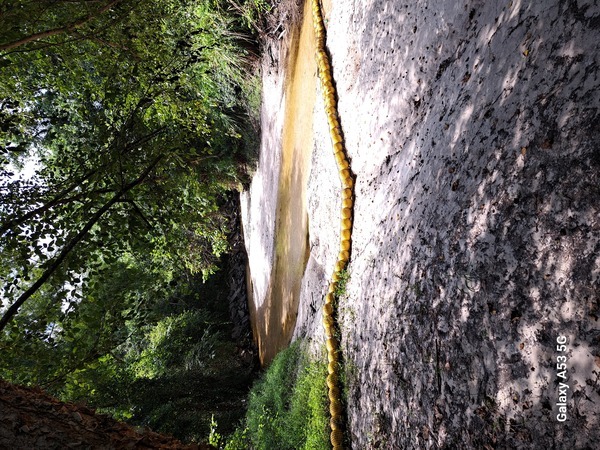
<point x="473" y="130"/>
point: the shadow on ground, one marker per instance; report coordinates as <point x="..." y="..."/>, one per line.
<point x="474" y="131"/>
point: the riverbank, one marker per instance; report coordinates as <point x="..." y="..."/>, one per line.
<point x="473" y="133"/>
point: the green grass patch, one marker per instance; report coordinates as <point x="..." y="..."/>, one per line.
<point x="287" y="407"/>
<point x="340" y="289"/>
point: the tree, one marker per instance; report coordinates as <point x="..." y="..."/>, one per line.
<point x="131" y="115"/>
<point x="53" y="264"/>
<point x="131" y="127"/>
<point x="142" y="343"/>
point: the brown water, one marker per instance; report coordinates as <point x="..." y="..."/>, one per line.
<point x="274" y="322"/>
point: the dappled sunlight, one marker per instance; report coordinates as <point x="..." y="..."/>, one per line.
<point x="476" y="228"/>
<point x="471" y="129"/>
<point x="463" y="119"/>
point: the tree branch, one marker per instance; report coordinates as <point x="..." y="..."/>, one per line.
<point x="53" y="32"/>
<point x="137" y="209"/>
<point x="68" y="248"/>
<point x="106" y="43"/>
<point x="60" y="197"/>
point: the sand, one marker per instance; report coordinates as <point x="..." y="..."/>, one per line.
<point x="474" y="131"/>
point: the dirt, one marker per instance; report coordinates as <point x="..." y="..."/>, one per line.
<point x="30" y="418"/>
<point x="473" y="129"/>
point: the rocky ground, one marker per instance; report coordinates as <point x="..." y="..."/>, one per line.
<point x="473" y="129"/>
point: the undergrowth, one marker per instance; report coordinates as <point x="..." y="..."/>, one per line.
<point x="340" y="288"/>
<point x="287" y="407"/>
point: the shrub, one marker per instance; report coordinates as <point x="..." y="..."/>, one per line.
<point x="287" y="408"/>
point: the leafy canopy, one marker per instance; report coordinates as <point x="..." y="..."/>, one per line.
<point x="133" y="113"/>
<point x="123" y="125"/>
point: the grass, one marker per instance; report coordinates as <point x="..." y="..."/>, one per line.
<point x="287" y="407"/>
<point x="340" y="289"/>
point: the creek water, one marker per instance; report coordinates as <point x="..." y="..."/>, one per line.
<point x="274" y="321"/>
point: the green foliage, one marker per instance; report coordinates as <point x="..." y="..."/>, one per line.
<point x="214" y="438"/>
<point x="250" y="11"/>
<point x="182" y="342"/>
<point x="90" y="320"/>
<point x="239" y="440"/>
<point x="287" y="407"/>
<point x="340" y="289"/>
<point x="308" y="409"/>
<point x="140" y="344"/>
<point x="134" y="117"/>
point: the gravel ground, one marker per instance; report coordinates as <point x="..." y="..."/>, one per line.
<point x="474" y="132"/>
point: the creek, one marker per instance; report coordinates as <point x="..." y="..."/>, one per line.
<point x="274" y="320"/>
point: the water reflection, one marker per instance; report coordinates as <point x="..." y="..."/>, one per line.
<point x="274" y="321"/>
